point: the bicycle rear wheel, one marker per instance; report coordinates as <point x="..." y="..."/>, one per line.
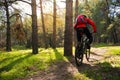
<point x="87" y="54"/>
<point x="78" y="57"/>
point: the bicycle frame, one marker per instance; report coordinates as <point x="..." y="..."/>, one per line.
<point x="83" y="41"/>
<point x="83" y="49"/>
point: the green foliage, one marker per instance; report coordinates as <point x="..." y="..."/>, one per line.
<point x="96" y="12"/>
<point x="49" y="29"/>
<point x="106" y="17"/>
<point x="27" y="26"/>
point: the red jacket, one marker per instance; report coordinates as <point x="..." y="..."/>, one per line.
<point x="81" y="22"/>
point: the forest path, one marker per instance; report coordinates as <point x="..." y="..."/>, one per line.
<point x="64" y="70"/>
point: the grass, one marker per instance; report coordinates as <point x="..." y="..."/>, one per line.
<point x="21" y="62"/>
<point x="99" y="45"/>
<point x="114" y="50"/>
<point x="114" y="58"/>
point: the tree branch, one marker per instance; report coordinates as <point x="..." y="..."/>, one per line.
<point x="14" y="15"/>
<point x="24" y="1"/>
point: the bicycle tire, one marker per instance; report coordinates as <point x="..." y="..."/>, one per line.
<point x="78" y="57"/>
<point x="87" y="54"/>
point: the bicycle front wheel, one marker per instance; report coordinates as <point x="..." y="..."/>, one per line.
<point x="78" y="57"/>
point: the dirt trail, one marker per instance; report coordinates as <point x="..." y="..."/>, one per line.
<point x="64" y="70"/>
<point x="97" y="54"/>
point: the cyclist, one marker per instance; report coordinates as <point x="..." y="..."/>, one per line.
<point x="81" y="25"/>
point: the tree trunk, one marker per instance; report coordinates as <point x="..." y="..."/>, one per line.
<point x="34" y="28"/>
<point x="54" y="25"/>
<point x="68" y="29"/>
<point x="43" y="25"/>
<point x="108" y="21"/>
<point x="114" y="37"/>
<point x="28" y="44"/>
<point x="76" y="14"/>
<point x="113" y="34"/>
<point x="8" y="39"/>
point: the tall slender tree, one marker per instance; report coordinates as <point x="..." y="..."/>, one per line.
<point x="8" y="39"/>
<point x="76" y="8"/>
<point x="68" y="28"/>
<point x="76" y="14"/>
<point x="113" y="33"/>
<point x="54" y="25"/>
<point x="34" y="28"/>
<point x="43" y="25"/>
<point x="6" y="4"/>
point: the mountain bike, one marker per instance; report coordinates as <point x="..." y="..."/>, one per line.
<point x="81" y="49"/>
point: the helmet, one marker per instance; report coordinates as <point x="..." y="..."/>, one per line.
<point x="84" y="16"/>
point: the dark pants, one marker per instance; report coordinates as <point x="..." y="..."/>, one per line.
<point x="86" y="32"/>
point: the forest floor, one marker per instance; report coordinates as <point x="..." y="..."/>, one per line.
<point x="64" y="70"/>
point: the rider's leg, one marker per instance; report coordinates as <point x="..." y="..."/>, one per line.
<point x="89" y="35"/>
<point x="78" y="35"/>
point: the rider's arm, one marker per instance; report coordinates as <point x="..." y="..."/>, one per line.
<point x="75" y="25"/>
<point x="92" y="23"/>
